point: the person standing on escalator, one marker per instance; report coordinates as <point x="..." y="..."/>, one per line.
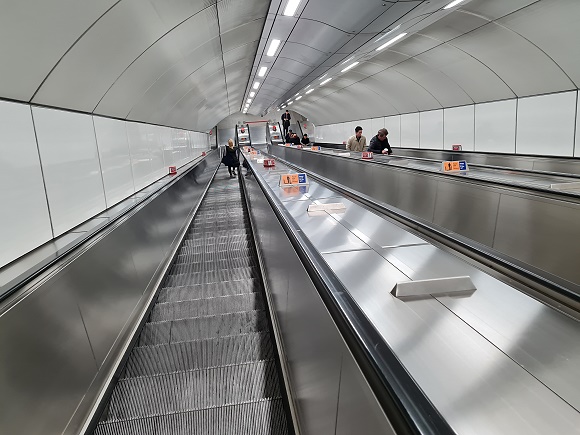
<point x="230" y="159"/>
<point x="286" y="122"/>
<point x="357" y="142"/>
<point x="380" y="144"/>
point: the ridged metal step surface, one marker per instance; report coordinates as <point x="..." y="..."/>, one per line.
<point x="204" y="362"/>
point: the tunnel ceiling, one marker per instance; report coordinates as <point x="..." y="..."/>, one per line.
<point x="182" y="63"/>
<point x="477" y="51"/>
<point x="192" y="63"/>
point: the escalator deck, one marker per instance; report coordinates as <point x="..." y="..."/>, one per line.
<point x="205" y="361"/>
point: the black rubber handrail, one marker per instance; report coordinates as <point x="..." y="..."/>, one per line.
<point x="407" y="407"/>
<point x="20" y="281"/>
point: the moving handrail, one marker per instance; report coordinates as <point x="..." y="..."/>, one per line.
<point x="404" y="403"/>
<point x="42" y="266"/>
<point x="553" y="289"/>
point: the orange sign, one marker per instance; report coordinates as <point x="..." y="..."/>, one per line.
<point x="293" y="179"/>
<point x="454" y="166"/>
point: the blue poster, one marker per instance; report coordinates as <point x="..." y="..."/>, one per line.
<point x="302" y="178"/>
<point x="462" y="165"/>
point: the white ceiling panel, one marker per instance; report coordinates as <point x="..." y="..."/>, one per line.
<point x="243" y="52"/>
<point x="398" y="84"/>
<point x="369" y="68"/>
<point x="495" y="9"/>
<point x="392" y="15"/>
<point x="475" y="78"/>
<point x="319" y="36"/>
<point x="303" y="53"/>
<point x="356" y="42"/>
<point x="396" y="99"/>
<point x="33" y="37"/>
<point x="445" y="90"/>
<point x="525" y="68"/>
<point x="414" y="44"/>
<point x="298" y="68"/>
<point x="453" y="25"/>
<point x="559" y="23"/>
<point x="241" y="35"/>
<point x="389" y="58"/>
<point x="94" y="63"/>
<point x="235" y="13"/>
<point x="190" y="38"/>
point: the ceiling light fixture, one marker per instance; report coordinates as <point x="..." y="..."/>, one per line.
<point x="291" y="7"/>
<point x="453" y="3"/>
<point x="325" y="81"/>
<point x="350" y="58"/>
<point x="290" y="102"/>
<point x="297" y="98"/>
<point x="307" y="92"/>
<point x="256" y="85"/>
<point x="389" y="32"/>
<point x="392" y="41"/>
<point x="252" y="94"/>
<point x="273" y="47"/>
<point x="262" y="71"/>
<point x="249" y="100"/>
<point x="352" y="65"/>
<point x="320" y="78"/>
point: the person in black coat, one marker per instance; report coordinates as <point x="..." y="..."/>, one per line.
<point x="305" y="140"/>
<point x="286" y="121"/>
<point x="295" y="139"/>
<point x="380" y="144"/>
<point x="288" y="137"/>
<point x="230" y="159"/>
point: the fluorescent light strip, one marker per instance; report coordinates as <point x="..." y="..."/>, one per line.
<point x="298" y="97"/>
<point x="273" y="47"/>
<point x="392" y="41"/>
<point x="252" y="94"/>
<point x="389" y="32"/>
<point x="352" y="65"/>
<point x="346" y="61"/>
<point x="249" y="100"/>
<point x="453" y="3"/>
<point x="307" y="92"/>
<point x="320" y="78"/>
<point x="256" y="85"/>
<point x="291" y="7"/>
<point x="325" y="81"/>
<point x="290" y="102"/>
<point x="262" y="71"/>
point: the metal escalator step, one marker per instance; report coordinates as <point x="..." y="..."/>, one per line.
<point x="226" y="240"/>
<point x="201" y="266"/>
<point x="202" y="257"/>
<point x="202" y="291"/>
<point x="217" y="229"/>
<point x="236" y="234"/>
<point x="215" y="249"/>
<point x="212" y="276"/>
<point x="206" y="307"/>
<point x="265" y="417"/>
<point x="203" y="327"/>
<point x="200" y="354"/>
<point x="193" y="390"/>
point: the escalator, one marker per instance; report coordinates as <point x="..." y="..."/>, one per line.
<point x="205" y="362"/>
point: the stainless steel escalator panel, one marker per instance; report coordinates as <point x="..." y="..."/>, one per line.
<point x="205" y="361"/>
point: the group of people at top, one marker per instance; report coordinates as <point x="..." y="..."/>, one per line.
<point x="289" y="136"/>
<point x="378" y="144"/>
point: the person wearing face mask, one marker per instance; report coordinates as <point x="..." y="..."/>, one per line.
<point x="357" y="142"/>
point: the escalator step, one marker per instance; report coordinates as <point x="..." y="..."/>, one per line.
<point x="206" y="307"/>
<point x="212" y="276"/>
<point x="265" y="417"/>
<point x="213" y="264"/>
<point x="213" y="250"/>
<point x="200" y="354"/>
<point x="193" y="390"/>
<point x="202" y="291"/>
<point x="203" y="327"/>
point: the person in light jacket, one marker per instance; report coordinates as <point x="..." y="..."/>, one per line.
<point x="380" y="144"/>
<point x="357" y="142"/>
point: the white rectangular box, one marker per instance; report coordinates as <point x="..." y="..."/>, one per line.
<point x="459" y="127"/>
<point x="431" y="129"/>
<point x="393" y="126"/>
<point x="410" y="130"/>
<point x="140" y="155"/>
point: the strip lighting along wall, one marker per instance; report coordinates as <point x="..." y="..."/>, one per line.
<point x="307" y="92"/>
<point x="325" y="81"/>
<point x="392" y="41"/>
<point x="297" y="98"/>
<point x="273" y="47"/>
<point x="252" y="94"/>
<point x="262" y="71"/>
<point x="291" y="7"/>
<point x="352" y="65"/>
<point x="256" y="85"/>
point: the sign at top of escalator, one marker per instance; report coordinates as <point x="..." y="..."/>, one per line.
<point x="299" y="179"/>
<point x="454" y="166"/>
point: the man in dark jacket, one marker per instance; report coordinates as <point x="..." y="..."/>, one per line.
<point x="286" y="122"/>
<point x="380" y="144"/>
<point x="305" y="140"/>
<point x="288" y="137"/>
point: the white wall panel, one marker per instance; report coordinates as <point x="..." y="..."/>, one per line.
<point x="459" y="127"/>
<point x="577" y="144"/>
<point x="115" y="159"/>
<point x="495" y="127"/>
<point x="393" y="126"/>
<point x="376" y="125"/>
<point x="431" y="129"/>
<point x="70" y="163"/>
<point x="158" y="169"/>
<point x="366" y="124"/>
<point x="24" y="220"/>
<point x="169" y="156"/>
<point x="140" y="154"/>
<point x="410" y="130"/>
<point x="545" y="124"/>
